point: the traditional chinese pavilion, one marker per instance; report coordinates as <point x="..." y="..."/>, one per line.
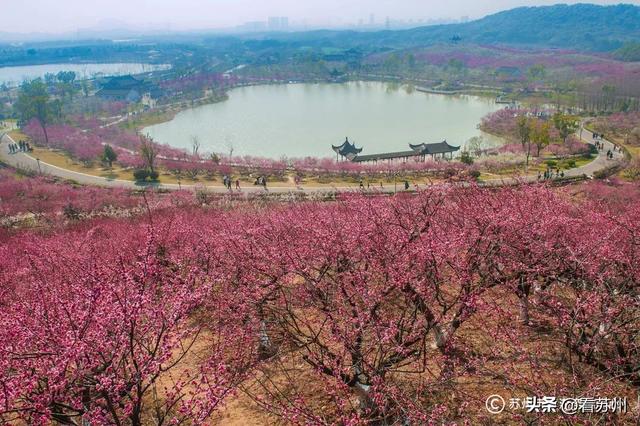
<point x="417" y="152"/>
<point x="347" y="150"/>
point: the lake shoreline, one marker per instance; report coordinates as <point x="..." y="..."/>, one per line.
<point x="14" y="75"/>
<point x="401" y="89"/>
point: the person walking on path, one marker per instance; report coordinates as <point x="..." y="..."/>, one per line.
<point x="238" y="184"/>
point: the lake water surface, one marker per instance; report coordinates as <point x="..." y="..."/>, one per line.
<point x="15" y="75"/>
<point x="298" y="120"/>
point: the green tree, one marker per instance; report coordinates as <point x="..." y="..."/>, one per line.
<point x="524" y="130"/>
<point x="66" y="83"/>
<point x="537" y="72"/>
<point x="456" y="66"/>
<point x="34" y="102"/>
<point x="466" y="158"/>
<point x="411" y="61"/>
<point x="566" y="124"/>
<point x="540" y="135"/>
<point x="524" y="133"/>
<point x="109" y="155"/>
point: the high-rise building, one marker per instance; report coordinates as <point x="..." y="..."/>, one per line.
<point x="278" y="23"/>
<point x="372" y="19"/>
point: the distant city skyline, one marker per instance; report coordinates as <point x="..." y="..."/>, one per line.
<point x="65" y="16"/>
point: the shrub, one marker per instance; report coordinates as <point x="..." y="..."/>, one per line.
<point x="140" y="174"/>
<point x="153" y="175"/>
<point x="71" y="212"/>
<point x="466" y="158"/>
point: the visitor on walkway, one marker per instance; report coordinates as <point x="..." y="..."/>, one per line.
<point x="238" y="184"/>
<point x="361" y="184"/>
<point x="406" y="185"/>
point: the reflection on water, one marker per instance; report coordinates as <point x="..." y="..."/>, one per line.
<point x="300" y="120"/>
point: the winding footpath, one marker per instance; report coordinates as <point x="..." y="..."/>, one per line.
<point x="25" y="161"/>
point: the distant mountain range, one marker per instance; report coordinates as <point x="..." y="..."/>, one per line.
<point x="581" y="26"/>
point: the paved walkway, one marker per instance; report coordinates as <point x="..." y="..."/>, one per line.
<point x="27" y="162"/>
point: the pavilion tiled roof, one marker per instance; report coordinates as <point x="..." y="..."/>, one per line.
<point x="347" y="148"/>
<point x="433" y="148"/>
<point x="416" y="150"/>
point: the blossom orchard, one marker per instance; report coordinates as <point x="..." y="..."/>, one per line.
<point x="369" y="309"/>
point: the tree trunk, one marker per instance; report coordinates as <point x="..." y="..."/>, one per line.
<point x="523" y="291"/>
<point x="364" y="398"/>
<point x="44" y="130"/>
<point x="524" y="309"/>
<point x="266" y="348"/>
<point x="441" y="337"/>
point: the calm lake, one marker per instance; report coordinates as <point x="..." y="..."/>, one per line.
<point x="298" y="120"/>
<point x="15" y="75"/>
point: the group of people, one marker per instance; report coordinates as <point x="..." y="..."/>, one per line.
<point x="406" y="185"/>
<point x="600" y="146"/>
<point x="550" y="174"/>
<point x="262" y="181"/>
<point x="21" y="146"/>
<point x="226" y="180"/>
<point x="615" y="149"/>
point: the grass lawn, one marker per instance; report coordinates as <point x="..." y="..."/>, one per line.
<point x="147" y="119"/>
<point x="60" y="159"/>
<point x="17" y="135"/>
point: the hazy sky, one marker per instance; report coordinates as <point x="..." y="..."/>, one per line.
<point x="69" y="15"/>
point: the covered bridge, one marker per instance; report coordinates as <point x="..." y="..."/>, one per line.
<point x="418" y="152"/>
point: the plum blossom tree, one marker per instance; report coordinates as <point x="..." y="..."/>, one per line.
<point x="364" y="310"/>
<point x="100" y="342"/>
